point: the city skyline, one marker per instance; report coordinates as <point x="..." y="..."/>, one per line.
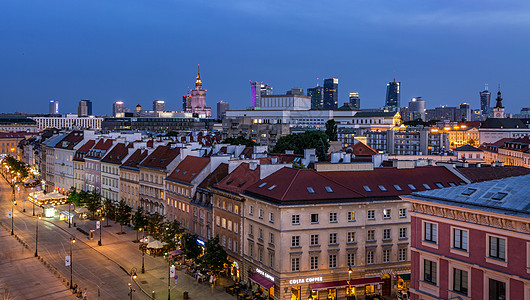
<point x="130" y="55"/>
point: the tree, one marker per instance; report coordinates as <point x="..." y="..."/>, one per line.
<point x="139" y="220"/>
<point x="215" y="257"/>
<point x="154" y="223"/>
<point x="123" y="214"/>
<point x="307" y="140"/>
<point x="74" y="197"/>
<point x="109" y="210"/>
<point x="240" y="140"/>
<point x="331" y="130"/>
<point x="170" y="233"/>
<point x="191" y="249"/>
<point x="93" y="203"/>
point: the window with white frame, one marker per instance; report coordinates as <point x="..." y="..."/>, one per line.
<point x="386" y="255"/>
<point x="332" y="217"/>
<point x="260" y="254"/>
<point x="295" y="220"/>
<point x="371" y="214"/>
<point x="250" y="248"/>
<point x="314" y="218"/>
<point x="430" y="232"/>
<point x="260" y="213"/>
<point x="387" y="213"/>
<point x="271" y="238"/>
<point x="295" y="264"/>
<point x="497" y="248"/>
<point x="351" y="216"/>
<point x="251" y="210"/>
<point x="250" y="229"/>
<point x="271" y="260"/>
<point x="313" y="263"/>
<point x="314" y="240"/>
<point x="460" y="239"/>
<point x="271" y="217"/>
<point x="402" y="254"/>
<point x="429" y="271"/>
<point x="350" y="238"/>
<point x="260" y="233"/>
<point x="370" y="235"/>
<point x="295" y="241"/>
<point x="370" y="257"/>
<point x="333" y="238"/>
<point x="387" y="234"/>
<point x="402" y="212"/>
<point x="350" y="257"/>
<point x="332" y="260"/>
<point x="403" y="232"/>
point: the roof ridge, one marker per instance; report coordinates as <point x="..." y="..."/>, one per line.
<point x="290" y="184"/>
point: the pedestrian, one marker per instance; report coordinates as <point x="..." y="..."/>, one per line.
<point x="84" y="294"/>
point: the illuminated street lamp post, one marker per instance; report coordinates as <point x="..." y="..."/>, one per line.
<point x="143" y="252"/>
<point x="133" y="276"/>
<point x="37" y="237"/>
<point x="100" y="225"/>
<point x="72" y="241"/>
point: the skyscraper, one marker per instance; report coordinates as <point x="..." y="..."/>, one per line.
<point x="84" y="109"/>
<point x="159" y="106"/>
<point x="355" y="101"/>
<point x="54" y="107"/>
<point x="417" y="109"/>
<point x="117" y="108"/>
<point x="317" y="97"/>
<point x="331" y="93"/>
<point x="222" y="107"/>
<point x="485" y="96"/>
<point x="196" y="103"/>
<point x="259" y="89"/>
<point x="392" y="94"/>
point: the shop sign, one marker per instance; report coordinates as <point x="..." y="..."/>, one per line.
<point x="266" y="275"/>
<point x="305" y="280"/>
<point x="201" y="242"/>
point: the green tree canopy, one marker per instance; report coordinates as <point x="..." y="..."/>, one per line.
<point x="170" y="234"/>
<point x="123" y="214"/>
<point x="93" y="202"/>
<point x="190" y="247"/>
<point x="215" y="257"/>
<point x="154" y="225"/>
<point x="240" y="141"/>
<point x="74" y="197"/>
<point x="139" y="220"/>
<point x="298" y="142"/>
<point x="331" y="130"/>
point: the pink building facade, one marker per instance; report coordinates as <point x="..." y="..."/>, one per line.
<point x="472" y="241"/>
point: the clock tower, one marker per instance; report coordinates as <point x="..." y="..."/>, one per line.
<point x="498" y="110"/>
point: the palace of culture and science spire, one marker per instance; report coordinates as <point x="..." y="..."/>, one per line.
<point x="196" y="102"/>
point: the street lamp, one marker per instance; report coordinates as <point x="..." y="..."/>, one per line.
<point x="100" y="225"/>
<point x="349" y="280"/>
<point x="133" y="276"/>
<point x="37" y="236"/>
<point x="143" y="252"/>
<point x="69" y="215"/>
<point x="72" y="241"/>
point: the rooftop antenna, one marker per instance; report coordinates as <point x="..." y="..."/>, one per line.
<point x="486" y="86"/>
<point x="499" y="87"/>
<point x="394" y="75"/>
<point x="317" y="81"/>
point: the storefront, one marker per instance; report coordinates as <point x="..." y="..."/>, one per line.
<point x="403" y="282"/>
<point x="234" y="271"/>
<point x="327" y="290"/>
<point x="339" y="289"/>
<point x="264" y="284"/>
<point x="66" y="216"/>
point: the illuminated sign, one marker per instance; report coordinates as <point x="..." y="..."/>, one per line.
<point x="266" y="275"/>
<point x="200" y="242"/>
<point x="305" y="280"/>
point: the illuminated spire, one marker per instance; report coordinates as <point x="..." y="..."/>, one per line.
<point x="198" y="82"/>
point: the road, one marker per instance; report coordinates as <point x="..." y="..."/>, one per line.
<point x="102" y="270"/>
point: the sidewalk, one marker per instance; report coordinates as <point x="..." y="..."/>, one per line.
<point x="121" y="250"/>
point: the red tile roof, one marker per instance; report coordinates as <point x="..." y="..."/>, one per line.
<point x="289" y="185"/>
<point x="135" y="158"/>
<point x="161" y="157"/>
<point x="239" y="179"/>
<point x="188" y="169"/>
<point x="71" y="140"/>
<point x="117" y="154"/>
<point x="361" y="149"/>
<point x="215" y="177"/>
<point x="81" y="152"/>
<point x="388" y="177"/>
<point x="294" y="185"/>
<point x="99" y="150"/>
<point x="491" y="173"/>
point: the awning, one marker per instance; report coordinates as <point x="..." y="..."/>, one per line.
<point x="262" y="281"/>
<point x="405" y="277"/>
<point x="366" y="281"/>
<point x="329" y="285"/>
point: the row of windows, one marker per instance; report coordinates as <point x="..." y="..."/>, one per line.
<point x="333" y="216"/>
<point x="460" y="240"/>
<point x="333" y="259"/>
<point x="227" y="224"/>
<point x="314" y="239"/>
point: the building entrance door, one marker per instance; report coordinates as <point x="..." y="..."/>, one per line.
<point x="387" y="285"/>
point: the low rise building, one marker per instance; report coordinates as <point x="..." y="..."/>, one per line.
<point x="409" y="141"/>
<point x="130" y="177"/>
<point x="69" y="121"/>
<point x="471" y="242"/>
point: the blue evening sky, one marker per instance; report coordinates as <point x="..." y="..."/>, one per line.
<point x="138" y="51"/>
